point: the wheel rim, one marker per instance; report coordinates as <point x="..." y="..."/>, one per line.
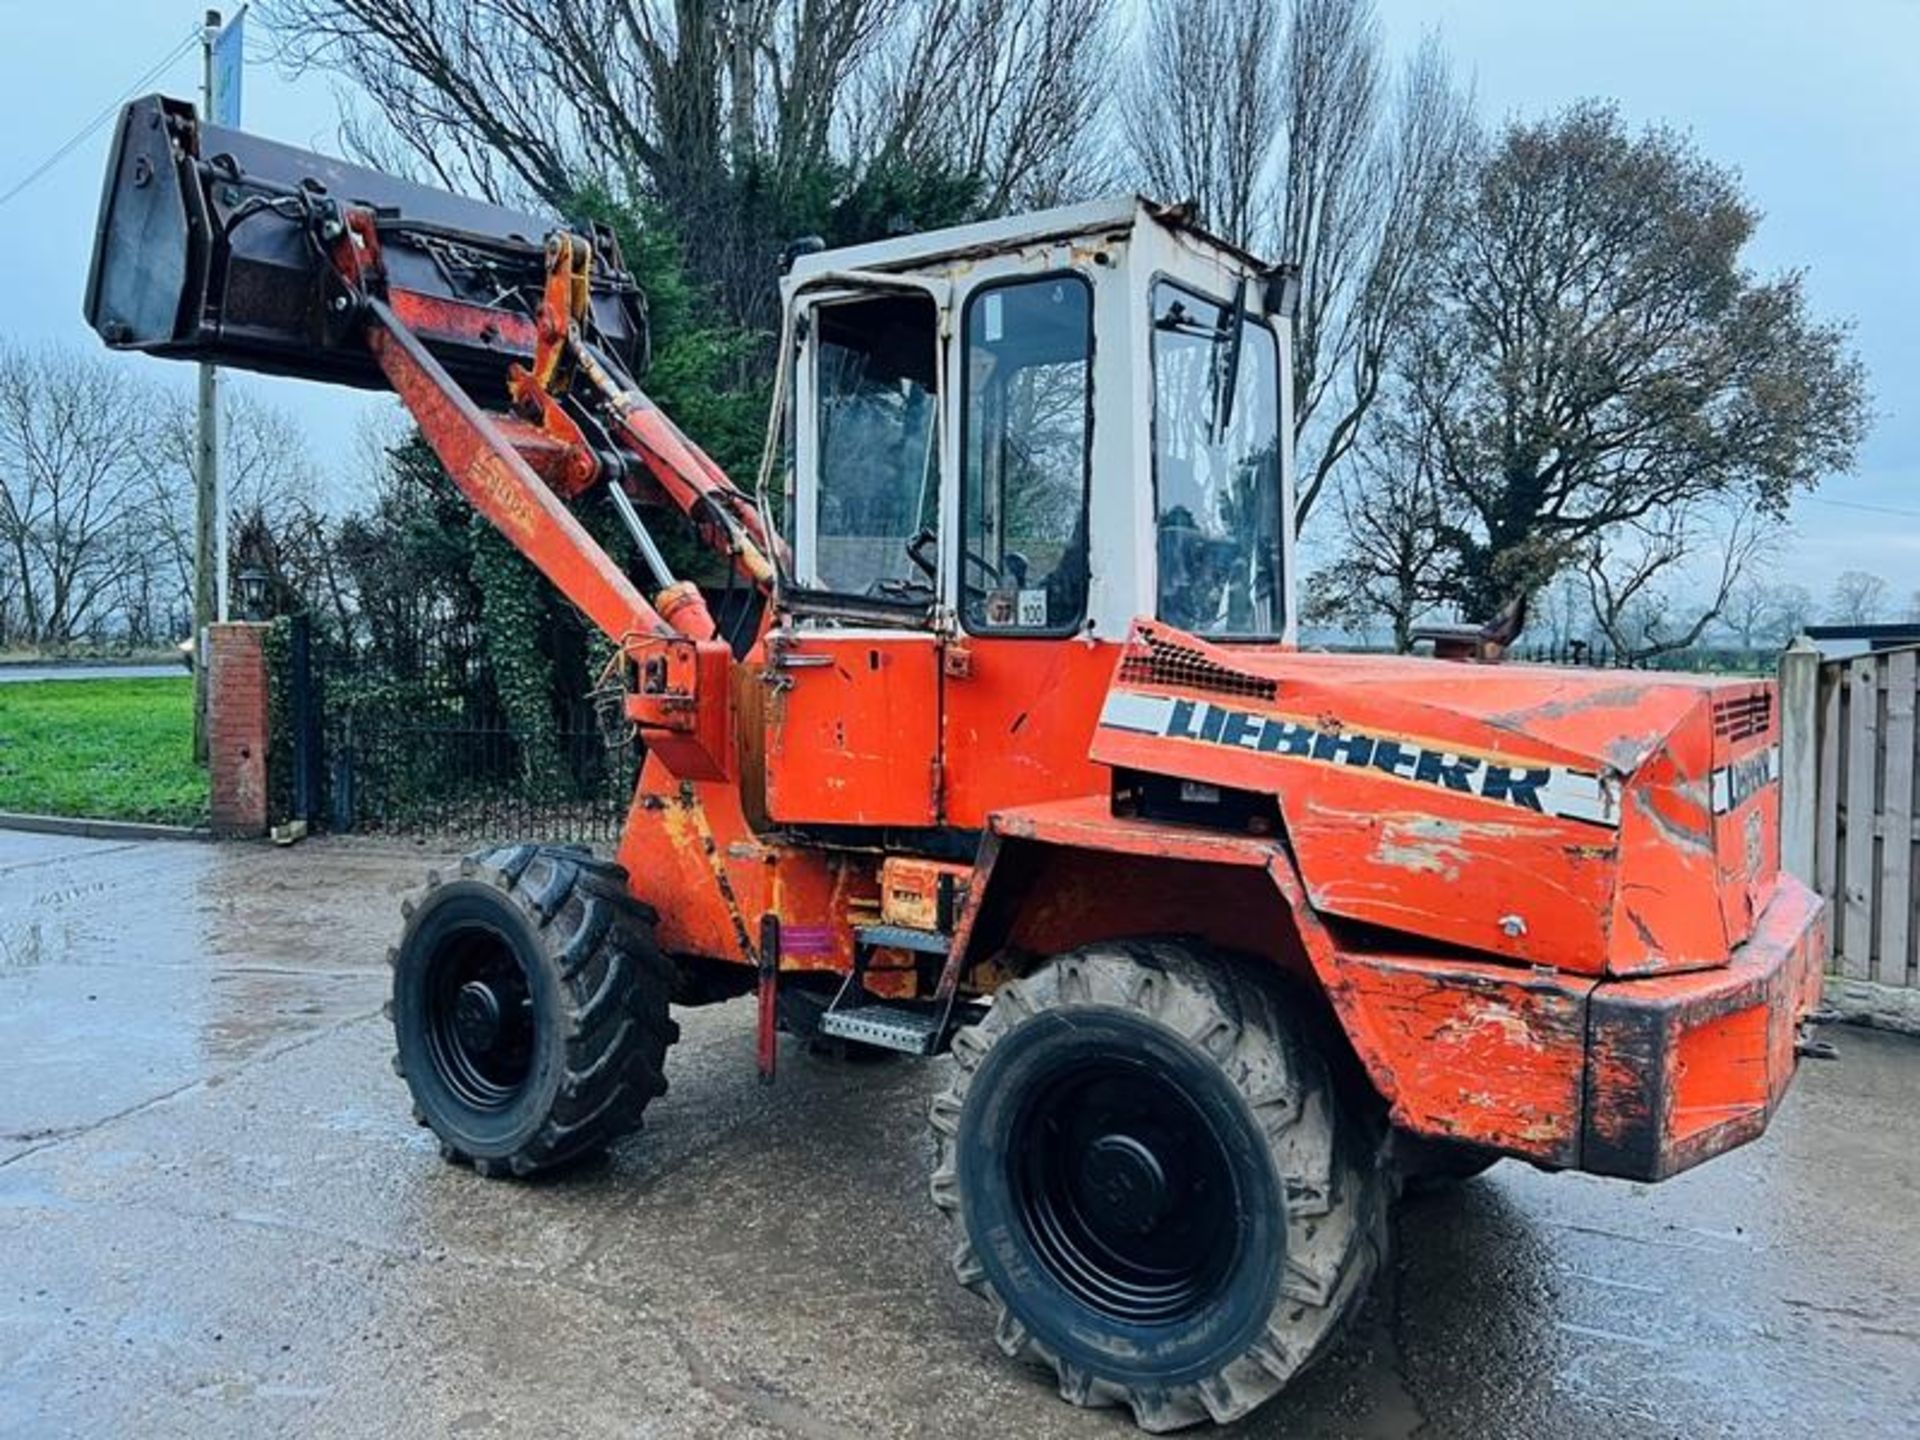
<point x="1126" y="1191"/>
<point x="480" y="1028"/>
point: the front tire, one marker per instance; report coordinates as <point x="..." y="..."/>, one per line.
<point x="530" y="1008"/>
<point x="1150" y="1177"/>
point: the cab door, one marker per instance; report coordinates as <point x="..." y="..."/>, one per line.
<point x="853" y="672"/>
<point x="1024" y="688"/>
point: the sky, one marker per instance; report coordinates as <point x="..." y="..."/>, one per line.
<point x="1816" y="105"/>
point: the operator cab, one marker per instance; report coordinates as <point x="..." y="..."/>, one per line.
<point x="1044" y="425"/>
<point x="1004" y="442"/>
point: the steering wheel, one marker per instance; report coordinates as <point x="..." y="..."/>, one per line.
<point x="905" y="591"/>
<point x="917" y="552"/>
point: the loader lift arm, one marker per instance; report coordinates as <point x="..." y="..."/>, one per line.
<point x="218" y="245"/>
<point x="678" y="698"/>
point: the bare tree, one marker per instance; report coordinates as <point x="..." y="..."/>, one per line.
<point x="265" y="470"/>
<point x="97" y="494"/>
<point x="1564" y="615"/>
<point x="1292" y="140"/>
<point x="1656" y="584"/>
<point x="1790" y="613"/>
<point x="1205" y="115"/>
<point x="1367" y="277"/>
<point x="1030" y="81"/>
<point x="1393" y="561"/>
<point x="75" y="433"/>
<point x="1858" y="597"/>
<point x="1745" y="613"/>
<point x="1766" y="613"/>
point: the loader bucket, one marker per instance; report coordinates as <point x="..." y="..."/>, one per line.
<point x="212" y="246"/>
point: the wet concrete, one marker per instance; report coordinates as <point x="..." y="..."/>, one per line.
<point x="216" y="1219"/>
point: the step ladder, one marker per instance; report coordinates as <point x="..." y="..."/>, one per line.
<point x="913" y="1027"/>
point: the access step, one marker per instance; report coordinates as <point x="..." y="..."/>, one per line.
<point x="913" y="1027"/>
<point x="888" y="1024"/>
<point x="900" y="937"/>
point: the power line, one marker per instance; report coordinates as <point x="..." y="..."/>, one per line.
<point x="1862" y="505"/>
<point x="113" y="109"/>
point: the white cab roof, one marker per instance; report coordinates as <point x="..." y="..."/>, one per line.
<point x="1112" y="214"/>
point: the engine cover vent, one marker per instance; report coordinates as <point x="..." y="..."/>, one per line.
<point x="1153" y="659"/>
<point x="1743" y="716"/>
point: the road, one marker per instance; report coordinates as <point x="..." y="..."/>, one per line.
<point x="20" y="674"/>
<point x="217" y="1220"/>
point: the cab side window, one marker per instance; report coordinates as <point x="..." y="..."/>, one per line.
<point x="879" y="463"/>
<point x="1216" y="466"/>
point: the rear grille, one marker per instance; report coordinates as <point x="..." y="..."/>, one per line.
<point x="1153" y="660"/>
<point x="1747" y="715"/>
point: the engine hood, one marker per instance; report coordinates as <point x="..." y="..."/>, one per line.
<point x="1596" y="821"/>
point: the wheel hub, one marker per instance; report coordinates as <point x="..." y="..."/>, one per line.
<point x="480" y="1018"/>
<point x="1124" y="1188"/>
<point x="1124" y="1183"/>
<point x="476" y="1016"/>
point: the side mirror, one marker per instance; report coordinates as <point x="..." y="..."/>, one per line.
<point x="1283" y="291"/>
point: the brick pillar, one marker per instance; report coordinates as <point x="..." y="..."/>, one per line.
<point x="237" y="728"/>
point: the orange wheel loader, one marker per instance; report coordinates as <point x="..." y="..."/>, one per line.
<point x="1013" y="758"/>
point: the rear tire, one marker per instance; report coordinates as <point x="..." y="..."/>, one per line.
<point x="530" y="1008"/>
<point x="1150" y="1177"/>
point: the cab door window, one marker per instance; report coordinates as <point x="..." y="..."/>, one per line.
<point x="1026" y="456"/>
<point x="877" y="404"/>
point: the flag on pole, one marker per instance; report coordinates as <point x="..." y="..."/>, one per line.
<point x="229" y="58"/>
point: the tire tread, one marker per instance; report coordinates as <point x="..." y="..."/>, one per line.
<point x="614" y="985"/>
<point x="1334" y="1196"/>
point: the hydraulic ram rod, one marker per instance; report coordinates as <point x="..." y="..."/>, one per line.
<point x="642" y="538"/>
<point x="697" y="486"/>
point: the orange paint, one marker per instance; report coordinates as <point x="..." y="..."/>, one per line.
<point x="853" y="730"/>
<point x="1015" y="726"/>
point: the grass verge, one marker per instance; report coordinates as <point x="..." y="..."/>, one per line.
<point x="104" y="749"/>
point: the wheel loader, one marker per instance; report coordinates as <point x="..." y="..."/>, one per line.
<point x="997" y="744"/>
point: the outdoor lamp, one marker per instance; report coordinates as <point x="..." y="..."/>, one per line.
<point x="255" y="584"/>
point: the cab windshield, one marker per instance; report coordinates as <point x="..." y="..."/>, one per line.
<point x="1216" y="466"/>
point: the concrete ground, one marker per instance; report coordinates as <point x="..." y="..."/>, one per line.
<point x="216" y="1219"/>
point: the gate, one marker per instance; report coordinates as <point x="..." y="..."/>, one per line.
<point x="414" y="738"/>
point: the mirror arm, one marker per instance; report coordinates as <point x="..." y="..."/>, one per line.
<point x="1230" y="381"/>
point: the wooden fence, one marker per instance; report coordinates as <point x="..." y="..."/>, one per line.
<point x="1850" y="754"/>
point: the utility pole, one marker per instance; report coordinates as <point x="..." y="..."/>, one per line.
<point x="209" y="513"/>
